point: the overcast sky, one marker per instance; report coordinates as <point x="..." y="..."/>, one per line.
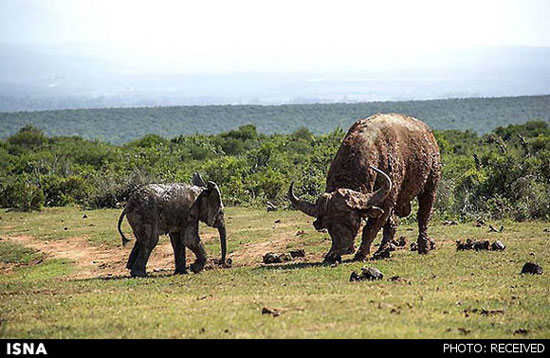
<point x="188" y="36"/>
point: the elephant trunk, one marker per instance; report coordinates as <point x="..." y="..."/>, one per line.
<point x="223" y="241"/>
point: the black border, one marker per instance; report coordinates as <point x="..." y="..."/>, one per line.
<point x="278" y="347"/>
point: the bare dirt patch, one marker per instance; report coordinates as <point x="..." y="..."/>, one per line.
<point x="104" y="262"/>
<point x="251" y="254"/>
<point x="96" y="261"/>
<point x="93" y="261"/>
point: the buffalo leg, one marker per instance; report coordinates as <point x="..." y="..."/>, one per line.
<point x="147" y="238"/>
<point x="369" y="234"/>
<point x="390" y="228"/>
<point x="179" y="253"/>
<point x="425" y="203"/>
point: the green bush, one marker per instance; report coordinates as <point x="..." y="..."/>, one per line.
<point x="21" y="194"/>
<point x="60" y="191"/>
<point x="504" y="174"/>
<point x="28" y="137"/>
<point x="112" y="190"/>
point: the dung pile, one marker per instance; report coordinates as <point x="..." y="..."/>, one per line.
<point x="369" y="274"/>
<point x="271" y="311"/>
<point x="227" y="264"/>
<point x="297" y="253"/>
<point x="277" y="258"/>
<point x="532" y="268"/>
<point x="273" y="258"/>
<point x="479" y="245"/>
<point x="497" y="246"/>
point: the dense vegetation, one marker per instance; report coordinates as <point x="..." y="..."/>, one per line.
<point x="120" y="125"/>
<point x="502" y="174"/>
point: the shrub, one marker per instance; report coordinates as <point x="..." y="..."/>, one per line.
<point x="28" y="137"/>
<point x="509" y="178"/>
<point x="20" y="194"/>
<point x="60" y="191"/>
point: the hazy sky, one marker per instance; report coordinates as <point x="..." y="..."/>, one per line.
<point x="226" y="35"/>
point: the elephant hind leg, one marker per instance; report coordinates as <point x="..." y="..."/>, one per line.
<point x="179" y="253"/>
<point x="147" y="237"/>
<point x="133" y="256"/>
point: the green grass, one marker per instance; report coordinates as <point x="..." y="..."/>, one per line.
<point x="64" y="222"/>
<point x="12" y="253"/>
<point x="40" y="300"/>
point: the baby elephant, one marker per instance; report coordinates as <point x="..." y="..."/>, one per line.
<point x="173" y="209"/>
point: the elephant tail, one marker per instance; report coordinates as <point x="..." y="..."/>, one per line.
<point x="125" y="240"/>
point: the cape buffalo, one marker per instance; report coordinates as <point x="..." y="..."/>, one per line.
<point x="397" y="155"/>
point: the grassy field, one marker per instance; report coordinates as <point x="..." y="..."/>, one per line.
<point x="62" y="276"/>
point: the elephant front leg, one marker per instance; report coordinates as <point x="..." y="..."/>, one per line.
<point x="179" y="253"/>
<point x="192" y="240"/>
<point x="201" y="256"/>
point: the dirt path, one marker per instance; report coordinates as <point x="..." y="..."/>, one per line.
<point x="102" y="261"/>
<point x="250" y="254"/>
<point x="96" y="261"/>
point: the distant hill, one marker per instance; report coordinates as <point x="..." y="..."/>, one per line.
<point x="120" y="125"/>
<point x="41" y="77"/>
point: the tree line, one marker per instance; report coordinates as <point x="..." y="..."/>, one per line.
<point x="502" y="174"/>
<point x="122" y="125"/>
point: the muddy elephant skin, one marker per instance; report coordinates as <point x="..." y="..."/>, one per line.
<point x="173" y="209"/>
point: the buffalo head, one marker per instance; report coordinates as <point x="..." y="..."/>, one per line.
<point x="341" y="212"/>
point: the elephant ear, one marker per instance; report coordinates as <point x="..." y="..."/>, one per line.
<point x="213" y="204"/>
<point x="197" y="180"/>
<point x="208" y="205"/>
